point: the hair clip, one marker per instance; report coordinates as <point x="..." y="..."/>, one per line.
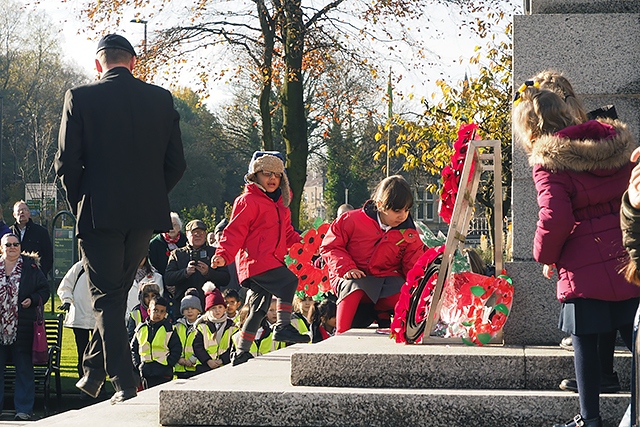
<point x="522" y="88"/>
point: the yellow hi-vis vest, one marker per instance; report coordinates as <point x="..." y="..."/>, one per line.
<point x="214" y="343"/>
<point x="187" y="346"/>
<point x="136" y="315"/>
<point x="267" y="344"/>
<point x="158" y="349"/>
<point x="300" y="326"/>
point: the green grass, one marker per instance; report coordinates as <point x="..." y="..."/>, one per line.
<point x="69" y="356"/>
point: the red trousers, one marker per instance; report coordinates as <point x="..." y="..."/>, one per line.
<point x="347" y="308"/>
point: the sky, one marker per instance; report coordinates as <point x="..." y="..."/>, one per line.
<point x="451" y="48"/>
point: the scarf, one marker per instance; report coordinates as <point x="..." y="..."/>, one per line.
<point x="9" y="286"/>
<point x="171" y="243"/>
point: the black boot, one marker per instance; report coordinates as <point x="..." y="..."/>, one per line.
<point x="578" y="421"/>
<point x="609" y="383"/>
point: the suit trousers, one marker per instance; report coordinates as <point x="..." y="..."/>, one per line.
<point x="111" y="258"/>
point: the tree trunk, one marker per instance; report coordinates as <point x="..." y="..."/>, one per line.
<point x="294" y="124"/>
<point x="266" y="74"/>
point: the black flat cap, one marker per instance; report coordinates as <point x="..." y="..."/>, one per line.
<point x="114" y="41"/>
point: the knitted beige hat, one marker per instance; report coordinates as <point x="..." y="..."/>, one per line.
<point x="273" y="163"/>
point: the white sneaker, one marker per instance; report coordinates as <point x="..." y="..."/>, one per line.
<point x="21" y="416"/>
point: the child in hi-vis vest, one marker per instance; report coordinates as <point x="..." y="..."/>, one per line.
<point x="212" y="343"/>
<point x="191" y="308"/>
<point x="155" y="347"/>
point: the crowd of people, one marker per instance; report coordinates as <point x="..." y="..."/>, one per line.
<point x="145" y="309"/>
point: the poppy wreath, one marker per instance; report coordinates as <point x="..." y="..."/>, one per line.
<point x="475" y="307"/>
<point x="313" y="280"/>
<point x="452" y="172"/>
<point x="415" y="275"/>
<point x="465" y="310"/>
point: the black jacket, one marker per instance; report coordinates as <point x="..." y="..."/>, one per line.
<point x="176" y="273"/>
<point x="33" y="285"/>
<point x="119" y="153"/>
<point x="159" y="251"/>
<point x="36" y="239"/>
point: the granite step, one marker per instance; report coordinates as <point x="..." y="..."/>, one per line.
<point x="260" y="393"/>
<point x="361" y="358"/>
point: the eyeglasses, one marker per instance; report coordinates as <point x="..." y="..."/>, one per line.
<point x="269" y="174"/>
<point x="8" y="245"/>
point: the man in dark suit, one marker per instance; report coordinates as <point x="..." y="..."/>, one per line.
<point x="119" y="155"/>
<point x="33" y="237"/>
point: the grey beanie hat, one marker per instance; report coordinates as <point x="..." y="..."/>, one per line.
<point x="191" y="301"/>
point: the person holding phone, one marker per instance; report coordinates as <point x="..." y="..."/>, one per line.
<point x="189" y="267"/>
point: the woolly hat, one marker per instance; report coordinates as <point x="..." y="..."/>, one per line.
<point x="146" y="288"/>
<point x="212" y="296"/>
<point x="191" y="299"/>
<point x="271" y="161"/>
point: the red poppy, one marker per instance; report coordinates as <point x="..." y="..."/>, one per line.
<point x="322" y="230"/>
<point x="311" y="239"/>
<point x="300" y="253"/>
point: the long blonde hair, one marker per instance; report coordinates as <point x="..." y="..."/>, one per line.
<point x="556" y="82"/>
<point x="539" y="112"/>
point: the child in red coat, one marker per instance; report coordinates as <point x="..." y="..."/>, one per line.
<point x="370" y="250"/>
<point x="258" y="236"/>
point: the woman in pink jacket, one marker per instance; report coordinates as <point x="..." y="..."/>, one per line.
<point x="258" y="236"/>
<point x="369" y="252"/>
<point x="580" y="173"/>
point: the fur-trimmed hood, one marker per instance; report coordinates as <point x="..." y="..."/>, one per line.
<point x="581" y="152"/>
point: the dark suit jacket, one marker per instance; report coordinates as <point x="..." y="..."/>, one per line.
<point x="36" y="239"/>
<point x="119" y="153"/>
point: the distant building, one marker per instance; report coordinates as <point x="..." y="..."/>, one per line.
<point x="314" y="195"/>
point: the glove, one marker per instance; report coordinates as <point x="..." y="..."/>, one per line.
<point x="65" y="306"/>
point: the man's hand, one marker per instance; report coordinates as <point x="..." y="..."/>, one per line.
<point x="64" y="306"/>
<point x="191" y="268"/>
<point x="217" y="261"/>
<point x="202" y="267"/>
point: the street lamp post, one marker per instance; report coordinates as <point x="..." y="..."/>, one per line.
<point x="142" y="21"/>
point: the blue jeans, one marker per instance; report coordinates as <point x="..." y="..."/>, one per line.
<point x="25" y="386"/>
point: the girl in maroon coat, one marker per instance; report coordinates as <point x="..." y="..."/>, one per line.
<point x="370" y="250"/>
<point x="258" y="237"/>
<point x="580" y="172"/>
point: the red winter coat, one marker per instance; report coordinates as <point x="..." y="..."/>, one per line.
<point x="355" y="240"/>
<point x="580" y="174"/>
<point x="259" y="233"/>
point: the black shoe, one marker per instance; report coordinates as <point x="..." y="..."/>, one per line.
<point x="608" y="384"/>
<point x="122" y="395"/>
<point x="288" y="333"/>
<point x="90" y="386"/>
<point x="240" y="357"/>
<point x="578" y="421"/>
<point x="567" y="343"/>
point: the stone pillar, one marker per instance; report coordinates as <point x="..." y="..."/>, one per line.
<point x="596" y="45"/>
